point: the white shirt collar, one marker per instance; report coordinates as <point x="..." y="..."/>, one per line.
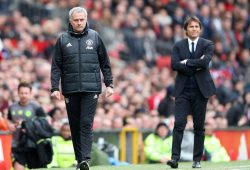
<point x="190" y="43"/>
<point x="195" y="41"/>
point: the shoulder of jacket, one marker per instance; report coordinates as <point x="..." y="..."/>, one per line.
<point x="65" y="35"/>
<point x="92" y="31"/>
<point x="152" y="136"/>
<point x="180" y="42"/>
<point x="206" y="40"/>
<point x="62" y="36"/>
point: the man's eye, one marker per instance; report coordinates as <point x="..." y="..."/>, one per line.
<point x="76" y="20"/>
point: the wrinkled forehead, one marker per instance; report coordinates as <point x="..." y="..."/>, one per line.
<point x="78" y="15"/>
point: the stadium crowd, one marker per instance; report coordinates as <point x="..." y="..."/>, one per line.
<point x="139" y="35"/>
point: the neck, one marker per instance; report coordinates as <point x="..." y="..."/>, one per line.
<point x="192" y="38"/>
<point x="23" y="103"/>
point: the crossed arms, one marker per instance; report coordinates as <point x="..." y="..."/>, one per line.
<point x="189" y="67"/>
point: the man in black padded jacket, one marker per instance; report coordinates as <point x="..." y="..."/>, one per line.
<point x="80" y="56"/>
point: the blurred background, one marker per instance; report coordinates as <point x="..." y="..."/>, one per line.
<point x="139" y="35"/>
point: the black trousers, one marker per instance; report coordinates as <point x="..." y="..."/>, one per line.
<point x="190" y="101"/>
<point x="81" y="109"/>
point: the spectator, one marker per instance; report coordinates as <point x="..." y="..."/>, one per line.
<point x="4" y="124"/>
<point x="56" y="118"/>
<point x="244" y="62"/>
<point x="178" y="16"/>
<point x="166" y="106"/>
<point x="235" y="111"/>
<point x="63" y="156"/>
<point x="214" y="151"/>
<point x="165" y="43"/>
<point x="204" y="16"/>
<point x="245" y="115"/>
<point x="227" y="36"/>
<point x="246" y="39"/>
<point x="24" y="110"/>
<point x="4" y="99"/>
<point x="1" y="50"/>
<point x="157" y="145"/>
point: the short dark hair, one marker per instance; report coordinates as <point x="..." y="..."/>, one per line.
<point x="189" y="19"/>
<point x="24" y="84"/>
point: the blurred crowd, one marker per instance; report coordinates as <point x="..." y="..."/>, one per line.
<point x="139" y="35"/>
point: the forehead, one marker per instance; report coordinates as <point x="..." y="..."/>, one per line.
<point x="193" y="23"/>
<point x="24" y="89"/>
<point x="162" y="127"/>
<point x="65" y="128"/>
<point x="78" y="15"/>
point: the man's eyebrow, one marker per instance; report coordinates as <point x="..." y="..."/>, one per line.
<point x="79" y="19"/>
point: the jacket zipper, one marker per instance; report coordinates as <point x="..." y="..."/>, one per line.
<point x="79" y="58"/>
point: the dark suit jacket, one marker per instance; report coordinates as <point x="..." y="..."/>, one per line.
<point x="197" y="67"/>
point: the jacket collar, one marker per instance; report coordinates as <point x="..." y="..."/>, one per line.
<point x="76" y="34"/>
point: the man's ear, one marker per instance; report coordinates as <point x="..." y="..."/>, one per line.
<point x="185" y="33"/>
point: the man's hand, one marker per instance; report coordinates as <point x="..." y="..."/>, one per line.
<point x="56" y="94"/>
<point x="109" y="91"/>
<point x="184" y="61"/>
<point x="202" y="57"/>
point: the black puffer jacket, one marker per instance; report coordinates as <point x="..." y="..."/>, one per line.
<point x="78" y="60"/>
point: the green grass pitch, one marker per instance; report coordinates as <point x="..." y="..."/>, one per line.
<point x="233" y="165"/>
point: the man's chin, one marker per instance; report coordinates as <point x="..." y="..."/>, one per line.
<point x="23" y="102"/>
<point x="79" y="30"/>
